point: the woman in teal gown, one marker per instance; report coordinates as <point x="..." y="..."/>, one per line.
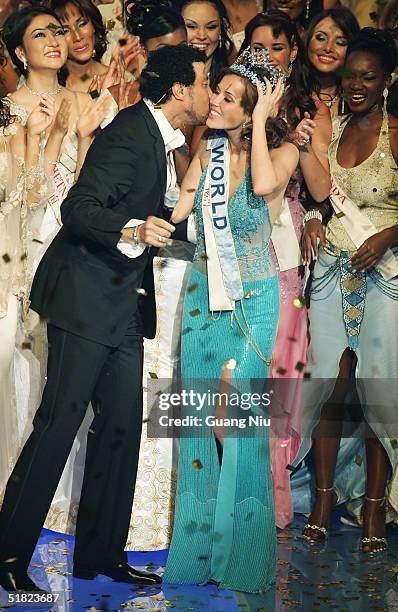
<point x="224" y="528"/>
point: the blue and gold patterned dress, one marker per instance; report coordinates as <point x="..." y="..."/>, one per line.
<point x="224" y="526"/>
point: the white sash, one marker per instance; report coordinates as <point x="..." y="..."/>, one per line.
<point x="360" y="228"/>
<point x="224" y="282"/>
<point x="284" y="240"/>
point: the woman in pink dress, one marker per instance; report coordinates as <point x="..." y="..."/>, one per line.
<point x="310" y="124"/>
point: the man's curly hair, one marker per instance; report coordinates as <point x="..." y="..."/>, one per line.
<point x="166" y="66"/>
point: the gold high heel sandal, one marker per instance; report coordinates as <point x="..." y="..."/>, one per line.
<point x="374" y="539"/>
<point x="317" y="528"/>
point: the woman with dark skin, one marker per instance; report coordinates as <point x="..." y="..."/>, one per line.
<point x="364" y="164"/>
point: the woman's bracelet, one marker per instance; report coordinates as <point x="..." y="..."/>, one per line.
<point x="312" y="214"/>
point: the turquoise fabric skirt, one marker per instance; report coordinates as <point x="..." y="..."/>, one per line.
<point x="224" y="526"/>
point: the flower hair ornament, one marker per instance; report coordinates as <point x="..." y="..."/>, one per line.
<point x="247" y="63"/>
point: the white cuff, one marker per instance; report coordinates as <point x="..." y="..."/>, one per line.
<point x="191" y="229"/>
<point x="127" y="247"/>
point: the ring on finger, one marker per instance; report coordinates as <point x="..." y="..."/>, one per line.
<point x="160" y="238"/>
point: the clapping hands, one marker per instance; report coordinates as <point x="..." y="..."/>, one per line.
<point x="92" y="116"/>
<point x="41" y="117"/>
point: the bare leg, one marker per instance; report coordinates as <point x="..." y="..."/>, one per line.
<point x="326" y="444"/>
<point x="374" y="515"/>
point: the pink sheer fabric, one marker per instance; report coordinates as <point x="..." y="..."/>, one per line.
<point x="289" y="357"/>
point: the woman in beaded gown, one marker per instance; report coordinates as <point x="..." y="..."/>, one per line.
<point x="35" y="41"/>
<point x="355" y="292"/>
<point x="224" y="526"/>
<point x="20" y="183"/>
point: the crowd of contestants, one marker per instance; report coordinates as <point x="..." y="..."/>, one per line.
<point x="61" y="84"/>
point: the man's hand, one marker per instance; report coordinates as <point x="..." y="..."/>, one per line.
<point x="154" y="232"/>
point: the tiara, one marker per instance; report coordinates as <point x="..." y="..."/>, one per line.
<point x="258" y="58"/>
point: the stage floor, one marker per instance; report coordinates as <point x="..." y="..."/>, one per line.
<point x="310" y="578"/>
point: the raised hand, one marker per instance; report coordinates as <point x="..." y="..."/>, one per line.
<point x="129" y="49"/>
<point x="92" y="116"/>
<point x="41" y="117"/>
<point x="268" y="103"/>
<point x="304" y="131"/>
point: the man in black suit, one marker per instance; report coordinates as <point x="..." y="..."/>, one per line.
<point x="89" y="287"/>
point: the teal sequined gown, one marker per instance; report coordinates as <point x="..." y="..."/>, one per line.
<point x="224" y="527"/>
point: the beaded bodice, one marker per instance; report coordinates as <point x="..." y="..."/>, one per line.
<point x="372" y="185"/>
<point x="251" y="229"/>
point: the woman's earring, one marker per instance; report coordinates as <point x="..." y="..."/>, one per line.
<point x="25" y="63"/>
<point x="307" y="9"/>
<point x="385" y="96"/>
<point x="219" y="42"/>
<point x="93" y="53"/>
<point x="289" y="68"/>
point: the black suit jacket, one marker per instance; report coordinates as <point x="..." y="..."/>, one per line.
<point x="84" y="284"/>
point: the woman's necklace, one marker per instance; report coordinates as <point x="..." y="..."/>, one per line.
<point x="51" y="92"/>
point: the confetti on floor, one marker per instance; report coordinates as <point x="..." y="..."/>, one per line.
<point x="312" y="578"/>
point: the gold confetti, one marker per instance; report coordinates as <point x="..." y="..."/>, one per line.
<point x="142" y="291"/>
<point x="6" y="258"/>
<point x="230" y="364"/>
<point x="11" y="560"/>
<point x="26" y="345"/>
<point x="85" y="77"/>
<point x="299" y="366"/>
<point x="299" y="302"/>
<point x="195" y="313"/>
<point x="192" y="287"/>
<point x="153" y="375"/>
<point x="197" y="464"/>
<point x="281" y="371"/>
<point x="249" y="294"/>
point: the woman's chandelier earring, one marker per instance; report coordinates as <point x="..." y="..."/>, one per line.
<point x="25" y="63"/>
<point x="385" y="96"/>
<point x="307" y="9"/>
<point x="289" y="68"/>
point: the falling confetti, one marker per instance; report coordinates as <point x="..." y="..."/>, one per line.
<point x="192" y="287"/>
<point x="299" y="366"/>
<point x="249" y="294"/>
<point x="230" y="364"/>
<point x="281" y="371"/>
<point x="195" y="313"/>
<point x="153" y="375"/>
<point x="197" y="464"/>
<point x="6" y="258"/>
<point x="94" y="94"/>
<point x="85" y="77"/>
<point x="142" y="291"/>
<point x="299" y="302"/>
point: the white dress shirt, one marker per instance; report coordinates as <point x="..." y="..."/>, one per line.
<point x="172" y="140"/>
